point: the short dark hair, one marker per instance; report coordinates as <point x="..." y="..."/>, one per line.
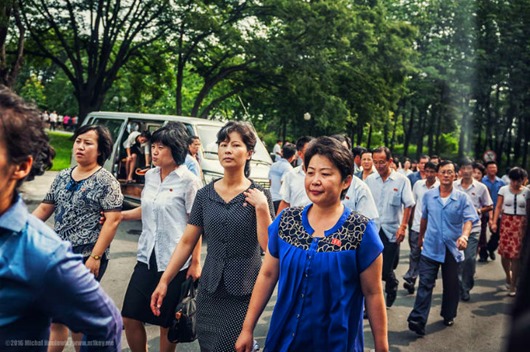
<point x="332" y="149"/>
<point x="489" y="163"/>
<point x="435" y="157"/>
<point x="174" y="138"/>
<point x="480" y="167"/>
<point x="517" y="174"/>
<point x="444" y="163"/>
<point x="429" y="165"/>
<point x="466" y="162"/>
<point x="192" y="139"/>
<point x="22" y="132"/>
<point x="288" y="150"/>
<point x="104" y="140"/>
<point x="247" y="134"/>
<point x="302" y="141"/>
<point x="342" y="138"/>
<point x="364" y="152"/>
<point x="385" y="150"/>
<point x="358" y="150"/>
<point x="425" y="156"/>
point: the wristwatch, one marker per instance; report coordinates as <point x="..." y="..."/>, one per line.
<point x="96" y="257"/>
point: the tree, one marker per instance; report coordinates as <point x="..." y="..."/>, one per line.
<point x="91" y="40"/>
<point x="10" y="39"/>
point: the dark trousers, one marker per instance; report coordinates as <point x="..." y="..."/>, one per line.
<point x="493" y="243"/>
<point x="390" y="251"/>
<point x="483" y="239"/>
<point x="428" y="273"/>
<point x="468" y="266"/>
<point x="414" y="257"/>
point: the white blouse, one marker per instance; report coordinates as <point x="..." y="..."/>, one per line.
<point x="514" y="204"/>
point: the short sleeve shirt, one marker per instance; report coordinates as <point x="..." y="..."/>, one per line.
<point x="390" y="196"/>
<point x="293" y="188"/>
<point x="165" y="208"/>
<point x="78" y="206"/>
<point x="276" y="172"/>
<point x="493" y="187"/>
<point x="233" y="257"/>
<point x="419" y="190"/>
<point x="514" y="204"/>
<point x="479" y="195"/>
<point x="359" y="198"/>
<point x="320" y="302"/>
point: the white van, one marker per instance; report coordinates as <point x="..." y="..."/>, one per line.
<point x="121" y="124"/>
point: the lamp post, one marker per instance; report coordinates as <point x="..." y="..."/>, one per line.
<point x="307" y="116"/>
<point x="119" y="100"/>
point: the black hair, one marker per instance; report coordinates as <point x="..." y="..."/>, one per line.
<point x="104" y="140"/>
<point x="517" y="174"/>
<point x="247" y="134"/>
<point x="23" y="135"/>
<point x="338" y="154"/>
<point x="174" y="136"/>
<point x="342" y="138"/>
<point x="385" y="150"/>
<point x="489" y="163"/>
<point x="477" y="165"/>
<point x="358" y="150"/>
<point x="302" y="141"/>
<point x="425" y="156"/>
<point x="363" y="152"/>
<point x="444" y="163"/>
<point x="192" y="139"/>
<point x="429" y="165"/>
<point x="466" y="162"/>
<point x="288" y="150"/>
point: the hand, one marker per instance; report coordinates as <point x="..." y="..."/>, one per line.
<point x="245" y="342"/>
<point x="400" y="234"/>
<point x="157" y="298"/>
<point x="194" y="271"/>
<point x="255" y="197"/>
<point x="93" y="266"/>
<point x="461" y="243"/>
<point x="420" y="241"/>
<point x="102" y="219"/>
<point x="493" y="226"/>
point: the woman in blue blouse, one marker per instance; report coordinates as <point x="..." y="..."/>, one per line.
<point x="327" y="261"/>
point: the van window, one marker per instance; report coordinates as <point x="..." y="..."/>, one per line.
<point x="208" y="136"/>
<point x="114" y="126"/>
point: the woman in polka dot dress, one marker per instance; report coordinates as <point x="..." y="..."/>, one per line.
<point x="233" y="214"/>
<point x="513" y="203"/>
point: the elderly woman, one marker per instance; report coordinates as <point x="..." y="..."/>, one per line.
<point x="77" y="196"/>
<point x="327" y="261"/>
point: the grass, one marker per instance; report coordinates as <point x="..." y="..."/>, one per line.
<point x="62" y="144"/>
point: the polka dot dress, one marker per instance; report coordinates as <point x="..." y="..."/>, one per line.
<point x="231" y="266"/>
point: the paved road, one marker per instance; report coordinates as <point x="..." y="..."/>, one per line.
<point x="480" y="325"/>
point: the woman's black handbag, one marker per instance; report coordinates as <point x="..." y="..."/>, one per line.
<point x="183" y="326"/>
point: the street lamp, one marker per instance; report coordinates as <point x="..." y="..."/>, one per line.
<point x="119" y="100"/>
<point x="307" y="116"/>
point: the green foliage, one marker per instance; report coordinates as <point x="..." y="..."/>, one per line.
<point x="62" y="143"/>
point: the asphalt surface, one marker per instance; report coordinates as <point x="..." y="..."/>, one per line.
<point x="481" y="323"/>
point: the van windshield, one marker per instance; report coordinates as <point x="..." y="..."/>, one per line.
<point x="208" y="136"/>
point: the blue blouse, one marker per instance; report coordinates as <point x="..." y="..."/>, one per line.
<point x="320" y="303"/>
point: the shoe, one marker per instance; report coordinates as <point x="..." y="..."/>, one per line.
<point x="449" y="322"/>
<point x="465" y="296"/>
<point x="511" y="293"/>
<point x="417" y="327"/>
<point x="483" y="260"/>
<point x="409" y="286"/>
<point x="492" y="255"/>
<point x="390" y="299"/>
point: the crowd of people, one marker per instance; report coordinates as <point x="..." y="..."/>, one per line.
<point x="55" y="121"/>
<point x="329" y="231"/>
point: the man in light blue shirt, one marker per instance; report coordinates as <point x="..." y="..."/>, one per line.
<point x="278" y="170"/>
<point x="359" y="198"/>
<point x="394" y="200"/>
<point x="447" y="218"/>
<point x="494" y="183"/>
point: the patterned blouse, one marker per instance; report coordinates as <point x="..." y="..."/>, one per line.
<point x="78" y="205"/>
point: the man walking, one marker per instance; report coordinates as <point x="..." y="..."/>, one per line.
<point x="420" y="174"/>
<point x="447" y="218"/>
<point x="420" y="188"/>
<point x="393" y="197"/>
<point x="278" y="169"/>
<point x="493" y="183"/>
<point x="482" y="202"/>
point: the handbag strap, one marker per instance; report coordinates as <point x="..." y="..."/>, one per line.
<point x="188" y="288"/>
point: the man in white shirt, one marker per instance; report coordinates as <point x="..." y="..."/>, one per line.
<point x="481" y="199"/>
<point x="134" y="145"/>
<point x="277" y="150"/>
<point x="359" y="198"/>
<point x="394" y="200"/>
<point x="278" y="169"/>
<point x="419" y="189"/>
<point x="292" y="191"/>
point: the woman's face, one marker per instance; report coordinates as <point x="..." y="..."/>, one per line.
<point x="323" y="181"/>
<point x="233" y="152"/>
<point x="516" y="184"/>
<point x="194" y="147"/>
<point x="477" y="174"/>
<point x="161" y="155"/>
<point x="86" y="148"/>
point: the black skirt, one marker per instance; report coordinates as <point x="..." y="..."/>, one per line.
<point x="136" y="304"/>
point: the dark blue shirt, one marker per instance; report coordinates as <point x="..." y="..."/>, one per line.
<point x="320" y="303"/>
<point x="414" y="177"/>
<point x="40" y="279"/>
<point x="493" y="187"/>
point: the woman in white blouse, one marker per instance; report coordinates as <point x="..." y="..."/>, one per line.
<point x="513" y="203"/>
<point x="166" y="202"/>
